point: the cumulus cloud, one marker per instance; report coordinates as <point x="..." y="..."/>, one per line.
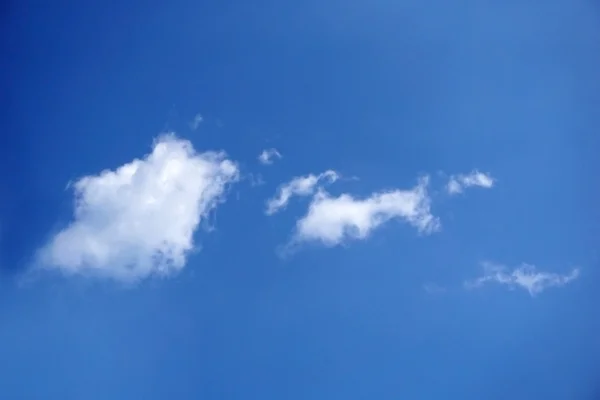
<point x="139" y="220"/>
<point x="298" y="186"/>
<point x="525" y="277"/>
<point x="268" y="156"/>
<point x="458" y="183"/>
<point x="196" y="121"/>
<point x="331" y="220"/>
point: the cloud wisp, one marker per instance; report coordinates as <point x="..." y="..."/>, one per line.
<point x="525" y="276"/>
<point x="139" y="220"/>
<point x="332" y="220"/>
<point x="434" y="288"/>
<point x="195" y="123"/>
<point x="301" y="186"/>
<point x="458" y="183"/>
<point x="268" y="156"/>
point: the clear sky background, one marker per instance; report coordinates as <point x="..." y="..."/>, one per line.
<point x="440" y="241"/>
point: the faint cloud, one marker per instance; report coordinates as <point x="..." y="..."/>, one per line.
<point x="525" y="276"/>
<point x="268" y="156"/>
<point x="195" y="123"/>
<point x="332" y="220"/>
<point x="255" y="179"/>
<point x="457" y="183"/>
<point x="434" y="288"/>
<point x="139" y="220"/>
<point x="298" y="186"/>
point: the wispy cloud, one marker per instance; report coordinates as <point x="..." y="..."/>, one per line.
<point x="298" y="186"/>
<point x="268" y="156"/>
<point x="332" y="220"/>
<point x="255" y="179"/>
<point x="139" y="220"/>
<point x="434" y="288"/>
<point x="525" y="276"/>
<point x="195" y="123"/>
<point x="458" y="183"/>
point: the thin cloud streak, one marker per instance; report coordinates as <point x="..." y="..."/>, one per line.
<point x="526" y="277"/>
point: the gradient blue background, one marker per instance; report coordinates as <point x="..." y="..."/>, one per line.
<point x="383" y="90"/>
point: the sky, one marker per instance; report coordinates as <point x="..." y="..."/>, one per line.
<point x="300" y="200"/>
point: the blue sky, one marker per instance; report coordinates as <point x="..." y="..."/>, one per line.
<point x="426" y="229"/>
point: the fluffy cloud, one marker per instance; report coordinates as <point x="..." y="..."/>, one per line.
<point x="268" y="156"/>
<point x="196" y="121"/>
<point x="331" y="220"/>
<point x="457" y="183"/>
<point x="299" y="186"/>
<point x="525" y="276"/>
<point x="139" y="220"/>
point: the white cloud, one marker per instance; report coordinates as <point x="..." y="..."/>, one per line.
<point x="196" y="121"/>
<point x="457" y="183"/>
<point x="268" y="156"/>
<point x="331" y="220"/>
<point x="139" y="220"/>
<point x="299" y="186"/>
<point x="525" y="276"/>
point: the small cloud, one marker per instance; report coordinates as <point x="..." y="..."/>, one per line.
<point x="332" y="220"/>
<point x="457" y="183"/>
<point x="139" y="219"/>
<point x="195" y="123"/>
<point x="434" y="288"/>
<point x="299" y="186"/>
<point x="255" y="179"/>
<point x="525" y="276"/>
<point x="268" y="156"/>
